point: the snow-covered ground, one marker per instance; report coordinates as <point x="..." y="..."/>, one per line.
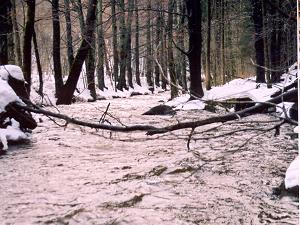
<point x="76" y="175"/>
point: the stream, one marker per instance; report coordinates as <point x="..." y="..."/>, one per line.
<point x="77" y="175"/>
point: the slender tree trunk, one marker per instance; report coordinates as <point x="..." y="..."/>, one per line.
<point x="223" y="70"/>
<point x="78" y="8"/>
<point x="28" y="33"/>
<point x="163" y="54"/>
<point x="157" y="43"/>
<point x="56" y="47"/>
<point x="128" y="44"/>
<point x="90" y="68"/>
<point x="17" y="41"/>
<point x="115" y="42"/>
<point x="171" y="62"/>
<point x="4" y="31"/>
<point x="148" y="49"/>
<point x="195" y="46"/>
<point x="257" y="18"/>
<point x="65" y="96"/>
<point x="137" y="45"/>
<point x="208" y="75"/>
<point x="100" y="40"/>
<point x="69" y="33"/>
<point x="181" y="44"/>
<point x="39" y="66"/>
<point x="123" y="50"/>
<point x="266" y="44"/>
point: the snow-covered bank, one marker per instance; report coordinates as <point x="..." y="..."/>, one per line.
<point x="9" y="128"/>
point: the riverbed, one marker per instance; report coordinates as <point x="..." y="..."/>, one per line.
<point x="76" y="175"/>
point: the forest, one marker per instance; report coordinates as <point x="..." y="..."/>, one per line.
<point x="149" y="112"/>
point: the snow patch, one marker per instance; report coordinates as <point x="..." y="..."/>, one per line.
<point x="7" y="95"/>
<point x="11" y="70"/>
<point x="292" y="174"/>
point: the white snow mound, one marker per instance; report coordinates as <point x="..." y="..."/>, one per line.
<point x="11" y="70"/>
<point x="7" y="95"/>
<point x="292" y="174"/>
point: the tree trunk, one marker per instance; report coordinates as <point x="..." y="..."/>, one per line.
<point x="115" y="42"/>
<point x="66" y="94"/>
<point x="257" y="18"/>
<point x="266" y="44"/>
<point x="100" y="40"/>
<point x="158" y="42"/>
<point x="208" y="76"/>
<point x="56" y="47"/>
<point x="223" y="71"/>
<point x="28" y="33"/>
<point x="128" y="44"/>
<point x="137" y="47"/>
<point x="90" y="68"/>
<point x="195" y="46"/>
<point x="17" y="41"/>
<point x="39" y="66"/>
<point x="148" y="49"/>
<point x="70" y="51"/>
<point x="171" y="62"/>
<point x="4" y="31"/>
<point x="123" y="50"/>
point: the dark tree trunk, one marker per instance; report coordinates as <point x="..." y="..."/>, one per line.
<point x="28" y="33"/>
<point x="17" y="41"/>
<point x="149" y="49"/>
<point x="257" y="18"/>
<point x="39" y="66"/>
<point x="208" y="76"/>
<point x="115" y="42"/>
<point x="128" y="43"/>
<point x="137" y="47"/>
<point x="4" y="31"/>
<point x="66" y="94"/>
<point x="56" y="47"/>
<point x="195" y="47"/>
<point x="157" y="43"/>
<point x="171" y="62"/>
<point x="123" y="50"/>
<point x="101" y="49"/>
<point x="276" y="45"/>
<point x="69" y="33"/>
<point x="90" y="69"/>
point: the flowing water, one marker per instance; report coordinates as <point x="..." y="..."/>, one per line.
<point x="76" y="175"/>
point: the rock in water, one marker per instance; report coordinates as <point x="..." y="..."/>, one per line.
<point x="161" y="110"/>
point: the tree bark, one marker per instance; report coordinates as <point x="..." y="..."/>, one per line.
<point x="195" y="47"/>
<point x="137" y="45"/>
<point x="66" y="94"/>
<point x="257" y="18"/>
<point x="123" y="50"/>
<point x="101" y="49"/>
<point x="208" y="75"/>
<point x="171" y="62"/>
<point x="128" y="43"/>
<point x="4" y="31"/>
<point x="115" y="42"/>
<point x="149" y="49"/>
<point x="70" y="51"/>
<point x="39" y="66"/>
<point x="28" y="33"/>
<point x="17" y="41"/>
<point x="56" y="47"/>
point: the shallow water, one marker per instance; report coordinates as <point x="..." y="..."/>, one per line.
<point x="74" y="175"/>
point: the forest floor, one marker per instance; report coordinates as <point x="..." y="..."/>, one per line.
<point x="77" y="175"/>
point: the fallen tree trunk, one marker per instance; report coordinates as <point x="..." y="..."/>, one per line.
<point x="151" y="130"/>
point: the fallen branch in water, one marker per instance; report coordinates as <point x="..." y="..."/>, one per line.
<point x="151" y="130"/>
